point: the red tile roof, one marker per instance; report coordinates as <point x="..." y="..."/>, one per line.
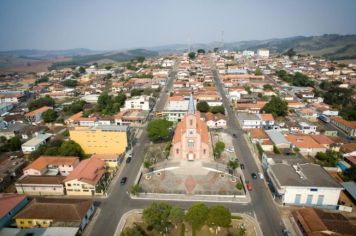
<point x="34" y="112"/>
<point x="89" y="171"/>
<point x="9" y="202"/>
<point x="43" y="161"/>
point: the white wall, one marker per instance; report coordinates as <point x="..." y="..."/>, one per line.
<point x="331" y="195"/>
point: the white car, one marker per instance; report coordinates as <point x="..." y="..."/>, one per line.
<point x="261" y="175"/>
<point x="231" y="149"/>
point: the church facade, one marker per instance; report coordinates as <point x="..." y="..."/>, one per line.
<point x="191" y="137"/>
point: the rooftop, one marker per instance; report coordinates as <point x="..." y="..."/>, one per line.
<point x="43" y="161"/>
<point x="89" y="171"/>
<point x="8" y="202"/>
<point x="36" y="179"/>
<point x="303" y="175"/>
<point x="36" y="140"/>
<point x="39" y="110"/>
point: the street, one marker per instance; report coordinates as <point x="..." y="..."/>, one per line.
<point x="119" y="201"/>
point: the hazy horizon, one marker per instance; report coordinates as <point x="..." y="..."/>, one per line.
<point x="120" y="25"/>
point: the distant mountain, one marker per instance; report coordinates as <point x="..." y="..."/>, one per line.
<point x="331" y="46"/>
<point x="108" y="56"/>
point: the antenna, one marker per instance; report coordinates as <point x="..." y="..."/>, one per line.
<point x="222" y="40"/>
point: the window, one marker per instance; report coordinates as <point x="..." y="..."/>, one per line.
<point x="204" y="151"/>
<point x="191" y="122"/>
<point x="177" y="151"/>
<point x="191" y="131"/>
<point x="190" y="143"/>
<point x="69" y="185"/>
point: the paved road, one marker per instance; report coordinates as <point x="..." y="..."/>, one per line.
<point x="261" y="200"/>
<point x="119" y="202"/>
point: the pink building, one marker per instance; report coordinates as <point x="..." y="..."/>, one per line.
<point x="191" y="139"/>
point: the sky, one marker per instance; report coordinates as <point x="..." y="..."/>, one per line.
<point x="124" y="24"/>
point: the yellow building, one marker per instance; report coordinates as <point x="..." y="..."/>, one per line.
<point x="103" y="139"/>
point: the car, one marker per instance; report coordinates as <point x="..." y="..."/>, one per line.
<point x="128" y="160"/>
<point x="234" y="135"/>
<point x="242" y="166"/>
<point x="231" y="149"/>
<point x="254" y="176"/>
<point x="260" y="174"/>
<point x="123" y="180"/>
<point x="249" y="186"/>
<point x="286" y="232"/>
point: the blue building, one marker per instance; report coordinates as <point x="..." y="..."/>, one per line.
<point x="10" y="205"/>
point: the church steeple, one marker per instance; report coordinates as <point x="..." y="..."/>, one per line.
<point x="191" y="108"/>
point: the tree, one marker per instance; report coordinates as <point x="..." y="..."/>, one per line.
<point x="157" y="215"/>
<point x="258" y="71"/>
<point x="267" y="87"/>
<point x="276" y="106"/>
<point x="276" y="150"/>
<point x="159" y="129"/>
<point x="75" y="107"/>
<point x="217" y="109"/>
<point x="42" y="79"/>
<point x="290" y="52"/>
<point x="70" y="83"/>
<point x="191" y="55"/>
<point x="71" y="148"/>
<point x="203" y="106"/>
<point x="81" y="70"/>
<point x="44" y="101"/>
<point x="219" y="216"/>
<point x="350" y="174"/>
<point x="140" y="59"/>
<point x="135" y="230"/>
<point x="233" y="164"/>
<point x="239" y="186"/>
<point x="49" y="116"/>
<point x="328" y="158"/>
<point x="201" y="51"/>
<point x="135" y="189"/>
<point x="197" y="215"/>
<point x="135" y="92"/>
<point x="176" y="215"/>
<point x="219" y="148"/>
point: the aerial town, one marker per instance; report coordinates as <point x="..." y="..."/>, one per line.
<point x="204" y="142"/>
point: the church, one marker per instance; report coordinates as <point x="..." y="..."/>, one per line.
<point x="191" y="138"/>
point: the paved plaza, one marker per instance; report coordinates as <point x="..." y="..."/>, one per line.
<point x="190" y="178"/>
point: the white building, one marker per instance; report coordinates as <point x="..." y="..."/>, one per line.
<point x="304" y="184"/>
<point x="176" y="109"/>
<point x="5" y="107"/>
<point x="142" y="102"/>
<point x="249" y="121"/>
<point x="263" y="53"/>
<point x="34" y="143"/>
<point x="248" y="53"/>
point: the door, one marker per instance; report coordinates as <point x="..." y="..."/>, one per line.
<point x="297" y="198"/>
<point x="320" y="200"/>
<point x="190" y="157"/>
<point x="309" y="199"/>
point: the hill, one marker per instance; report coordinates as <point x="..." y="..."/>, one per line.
<point x="110" y="56"/>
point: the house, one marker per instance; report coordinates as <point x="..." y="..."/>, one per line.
<point x="142" y="102"/>
<point x="306" y="128"/>
<point x="278" y="139"/>
<point x="306" y="144"/>
<point x="349" y="127"/>
<point x="111" y="161"/>
<point x="34" y="143"/>
<point x="267" y="120"/>
<point x="5" y="107"/>
<point x="176" y="108"/>
<point x="40" y="185"/>
<point x="131" y="117"/>
<point x="249" y="121"/>
<point x="78" y="119"/>
<point x="215" y="121"/>
<point x="88" y="178"/>
<point x="304" y="184"/>
<point x="327" y="142"/>
<point x="11" y="97"/>
<point x="250" y="107"/>
<point x="315" y="222"/>
<point x="101" y="139"/>
<point x="10" y="205"/>
<point x="263" y="53"/>
<point x="47" y="212"/>
<point x="35" y="116"/>
<point x="52" y="165"/>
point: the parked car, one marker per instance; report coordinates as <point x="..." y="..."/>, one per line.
<point x="123" y="180"/>
<point x="260" y="174"/>
<point x="242" y="166"/>
<point x="254" y="176"/>
<point x="286" y="232"/>
<point x="231" y="149"/>
<point x="249" y="186"/>
<point x="128" y="160"/>
<point x="234" y="135"/>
